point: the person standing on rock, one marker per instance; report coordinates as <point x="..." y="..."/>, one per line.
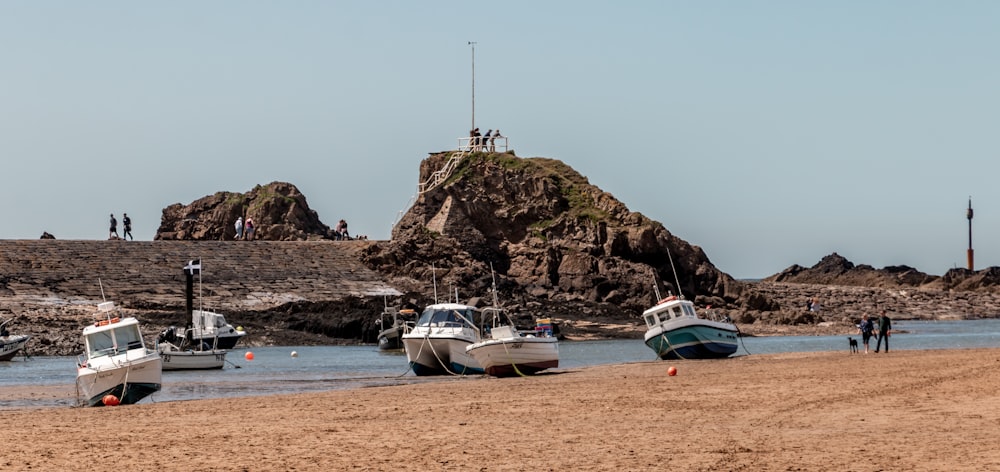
<point x="127" y="224"/>
<point x="239" y="228"/>
<point x="114" y="228"/>
<point x="884" y="325"/>
<point x="249" y="228"/>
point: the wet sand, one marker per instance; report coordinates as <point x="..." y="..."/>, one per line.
<point x="906" y="410"/>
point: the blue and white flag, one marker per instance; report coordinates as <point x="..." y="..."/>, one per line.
<point x="193" y="267"/>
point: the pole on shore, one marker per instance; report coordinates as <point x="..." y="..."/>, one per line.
<point x="969" y="255"/>
<point x="473" y="44"/>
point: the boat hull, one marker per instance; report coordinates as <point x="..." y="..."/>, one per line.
<point x="693" y="339"/>
<point x="225" y="341"/>
<point x="193" y="360"/>
<point x="130" y="380"/>
<point x="508" y="357"/>
<point x="439" y="354"/>
<point x="10" y="345"/>
<point x="391" y="339"/>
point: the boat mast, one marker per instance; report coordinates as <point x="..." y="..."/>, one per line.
<point x="677" y="280"/>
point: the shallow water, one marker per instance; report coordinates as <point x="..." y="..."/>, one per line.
<point x="319" y="368"/>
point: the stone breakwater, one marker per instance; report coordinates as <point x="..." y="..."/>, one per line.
<point x="53" y="286"/>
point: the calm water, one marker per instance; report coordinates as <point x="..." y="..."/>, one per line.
<point x="317" y="368"/>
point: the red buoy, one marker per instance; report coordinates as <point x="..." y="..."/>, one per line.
<point x="672" y="371"/>
<point x="248" y="356"/>
<point x="110" y="400"/>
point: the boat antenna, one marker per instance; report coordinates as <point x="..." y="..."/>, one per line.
<point x="496" y="303"/>
<point x="200" y="296"/>
<point x="103" y="298"/>
<point x="656" y="286"/>
<point x="677" y="280"/>
<point x="434" y="280"/>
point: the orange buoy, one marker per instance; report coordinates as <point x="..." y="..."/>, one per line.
<point x="110" y="400"/>
<point x="248" y="356"/>
<point x="672" y="371"/>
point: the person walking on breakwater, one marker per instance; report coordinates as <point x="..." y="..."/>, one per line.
<point x="341" y="231"/>
<point x="866" y="328"/>
<point x="239" y="228"/>
<point x="249" y="228"/>
<point x="884" y="325"/>
<point x="114" y="228"/>
<point x="127" y="225"/>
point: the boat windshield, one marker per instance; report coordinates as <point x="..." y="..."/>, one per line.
<point x="103" y="343"/>
<point x="446" y="317"/>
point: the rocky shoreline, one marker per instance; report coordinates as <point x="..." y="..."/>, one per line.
<point x="55" y="328"/>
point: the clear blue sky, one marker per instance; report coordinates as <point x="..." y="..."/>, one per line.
<point x="769" y="133"/>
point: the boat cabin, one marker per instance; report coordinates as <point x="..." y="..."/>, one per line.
<point x="668" y="311"/>
<point x="112" y="336"/>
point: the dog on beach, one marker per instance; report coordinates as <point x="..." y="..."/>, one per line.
<point x="853" y="343"/>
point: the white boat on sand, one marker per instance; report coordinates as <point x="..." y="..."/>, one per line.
<point x="676" y="331"/>
<point x="116" y="368"/>
<point x="504" y="351"/>
<point x="436" y="344"/>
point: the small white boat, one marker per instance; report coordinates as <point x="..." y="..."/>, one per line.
<point x="180" y="354"/>
<point x="10" y="344"/>
<point x="436" y="344"/>
<point x="676" y="331"/>
<point x="116" y="368"/>
<point x="505" y="351"/>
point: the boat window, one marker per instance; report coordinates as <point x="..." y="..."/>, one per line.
<point x="689" y="310"/>
<point x="451" y="317"/>
<point x="128" y="337"/>
<point x="651" y="320"/>
<point x="100" y="343"/>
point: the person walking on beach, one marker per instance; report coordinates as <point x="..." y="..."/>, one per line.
<point x="127" y="224"/>
<point x="884" y="325"/>
<point x="866" y="328"/>
<point x="114" y="228"/>
<point x="249" y="228"/>
<point x="239" y="228"/>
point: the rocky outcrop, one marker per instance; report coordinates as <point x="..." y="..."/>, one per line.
<point x="548" y="234"/>
<point x="837" y="270"/>
<point x="278" y="209"/>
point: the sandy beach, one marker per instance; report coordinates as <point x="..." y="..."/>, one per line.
<point x="906" y="410"/>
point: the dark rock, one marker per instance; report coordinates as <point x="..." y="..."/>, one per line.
<point x="46" y="235"/>
<point x="278" y="209"/>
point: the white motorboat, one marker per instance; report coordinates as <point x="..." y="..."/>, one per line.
<point x="436" y="344"/>
<point x="116" y="368"/>
<point x="179" y="353"/>
<point x="10" y="344"/>
<point x="504" y="351"/>
<point x="676" y="331"/>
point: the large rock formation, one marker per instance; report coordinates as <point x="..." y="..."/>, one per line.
<point x="278" y="209"/>
<point x="549" y="235"/>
